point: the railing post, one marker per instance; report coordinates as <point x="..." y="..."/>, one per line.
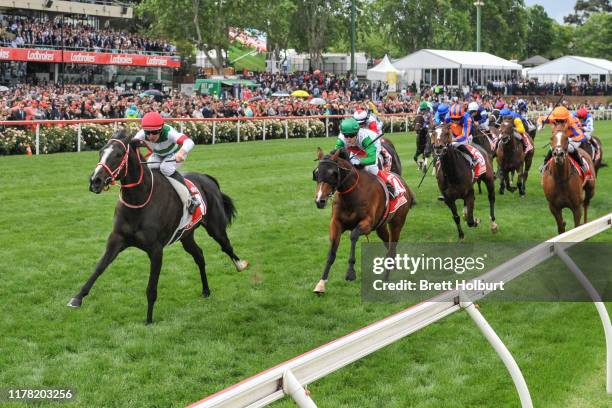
<point x="79" y="137"/>
<point x="293" y="388"/>
<point x="307" y="128"/>
<point x="502" y="352"/>
<point x="115" y="126"/>
<point x="391" y="124"/>
<point x="326" y="127"/>
<point x="286" y="129"/>
<point x="37" y="139"/>
<point x="182" y="126"/>
<point x="599" y="305"/>
<point x="238" y="130"/>
<point x="264" y="130"/>
<point x="406" y="121"/>
<point x="214" y="131"/>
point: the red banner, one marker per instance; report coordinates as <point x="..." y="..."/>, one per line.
<point x="82" y="57"/>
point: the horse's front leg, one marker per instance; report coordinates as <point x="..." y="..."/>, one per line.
<point x="156" y="258"/>
<point x="114" y="245"/>
<point x="522" y="180"/>
<point x="556" y="212"/>
<point x="453" y="207"/>
<point x="502" y="180"/>
<point x="363" y="228"/>
<point x="335" y="232"/>
<point x="469" y="205"/>
<point x="577" y="212"/>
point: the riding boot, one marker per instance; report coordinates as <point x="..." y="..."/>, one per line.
<point x="193" y="201"/>
<point x="465" y="149"/>
<point x="526" y="144"/>
<point x="546" y="159"/>
<point x="576" y="155"/>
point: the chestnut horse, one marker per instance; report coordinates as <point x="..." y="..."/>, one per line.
<point x="148" y="213"/>
<point x="511" y="158"/>
<point x="358" y="206"/>
<point x="562" y="183"/>
<point x="455" y="179"/>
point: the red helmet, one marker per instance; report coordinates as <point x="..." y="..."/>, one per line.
<point x="152" y="121"/>
<point x="499" y="105"/>
<point x="457" y="111"/>
<point x="582" y="113"/>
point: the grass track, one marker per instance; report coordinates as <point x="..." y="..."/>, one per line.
<point x="53" y="231"/>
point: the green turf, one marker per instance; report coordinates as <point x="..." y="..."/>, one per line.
<point x="53" y="231"/>
<point x="255" y="62"/>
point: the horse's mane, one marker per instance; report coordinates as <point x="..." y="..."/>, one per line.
<point x="344" y="154"/>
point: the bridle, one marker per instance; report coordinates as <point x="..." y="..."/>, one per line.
<point x="124" y="165"/>
<point x="340" y="180"/>
<point x="439" y="151"/>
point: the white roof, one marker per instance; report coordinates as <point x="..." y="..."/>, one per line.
<point x="380" y="71"/>
<point x="453" y="59"/>
<point x="571" y="64"/>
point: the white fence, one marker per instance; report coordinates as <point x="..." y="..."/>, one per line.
<point x="290" y="377"/>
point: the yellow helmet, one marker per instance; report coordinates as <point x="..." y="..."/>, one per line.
<point x="560" y="113"/>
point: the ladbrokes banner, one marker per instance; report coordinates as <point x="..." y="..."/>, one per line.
<point x="81" y="57"/>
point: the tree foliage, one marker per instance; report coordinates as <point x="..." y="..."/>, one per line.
<point x="540" y="30"/>
<point x="584" y="8"/>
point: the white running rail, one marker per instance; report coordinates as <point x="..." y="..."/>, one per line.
<point x="291" y="377"/>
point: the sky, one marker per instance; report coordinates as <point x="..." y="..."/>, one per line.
<point x="556" y="9"/>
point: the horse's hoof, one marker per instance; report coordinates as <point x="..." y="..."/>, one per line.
<point x="320" y="288"/>
<point x="75" y="302"/>
<point x="148" y="322"/>
<point x="501" y="192"/>
<point x="494" y="227"/>
<point x="206" y="293"/>
<point x="351" y="276"/>
<point x="241" y="265"/>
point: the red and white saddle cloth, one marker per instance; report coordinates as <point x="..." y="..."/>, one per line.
<point x="188" y="221"/>
<point x="481" y="165"/>
<point x="583" y="176"/>
<point x="392" y="204"/>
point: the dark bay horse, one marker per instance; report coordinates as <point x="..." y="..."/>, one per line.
<point x="423" y="142"/>
<point x="563" y="186"/>
<point x="511" y="158"/>
<point x="359" y="207"/>
<point x="149" y="211"/>
<point x="456" y="182"/>
<point x="590" y="150"/>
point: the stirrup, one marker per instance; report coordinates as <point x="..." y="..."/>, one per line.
<point x="193" y="204"/>
<point x="543" y="167"/>
<point x="391" y="191"/>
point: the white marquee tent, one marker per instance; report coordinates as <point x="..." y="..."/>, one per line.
<point x="573" y="67"/>
<point x="455" y="68"/>
<point x="382" y="71"/>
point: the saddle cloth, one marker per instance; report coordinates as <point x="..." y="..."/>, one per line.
<point x="577" y="167"/>
<point x="481" y="165"/>
<point x="392" y="204"/>
<point x="188" y="221"/>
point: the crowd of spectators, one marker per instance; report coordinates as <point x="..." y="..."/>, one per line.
<point x="533" y="87"/>
<point x="21" y="31"/>
<point x="26" y="102"/>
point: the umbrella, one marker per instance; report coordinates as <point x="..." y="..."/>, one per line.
<point x="3" y="89"/>
<point x="280" y="94"/>
<point x="153" y="92"/>
<point x="317" y="101"/>
<point x="300" y="94"/>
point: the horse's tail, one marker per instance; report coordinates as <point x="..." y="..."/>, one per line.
<point x="228" y="207"/>
<point x="214" y="180"/>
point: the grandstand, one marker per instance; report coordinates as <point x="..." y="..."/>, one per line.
<point x="90" y="42"/>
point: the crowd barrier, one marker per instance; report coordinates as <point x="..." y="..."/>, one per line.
<point x="393" y="123"/>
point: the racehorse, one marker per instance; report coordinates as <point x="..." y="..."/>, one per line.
<point x="588" y="148"/>
<point x="359" y="206"/>
<point x="149" y="211"/>
<point x="562" y="182"/>
<point x="456" y="180"/>
<point x="511" y="158"/>
<point x="423" y="142"/>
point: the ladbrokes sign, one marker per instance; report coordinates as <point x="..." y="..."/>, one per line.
<point x="77" y="57"/>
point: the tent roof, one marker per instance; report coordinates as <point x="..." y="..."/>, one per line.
<point x="535" y="60"/>
<point x="380" y="71"/>
<point x="427" y="58"/>
<point x="572" y="64"/>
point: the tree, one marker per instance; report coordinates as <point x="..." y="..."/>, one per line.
<point x="594" y="37"/>
<point x="273" y="18"/>
<point x="562" y="41"/>
<point x="195" y="23"/>
<point x="539" y="31"/>
<point x="584" y="8"/>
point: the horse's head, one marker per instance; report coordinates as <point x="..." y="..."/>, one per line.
<point x="328" y="174"/>
<point x="506" y="129"/>
<point x="440" y="139"/>
<point x="419" y="122"/>
<point x="113" y="160"/>
<point x="559" y="142"/>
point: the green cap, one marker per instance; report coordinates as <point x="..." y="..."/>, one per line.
<point x="349" y="127"/>
<point x="423" y="105"/>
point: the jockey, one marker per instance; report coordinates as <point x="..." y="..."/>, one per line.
<point x="586" y="122"/>
<point x="441" y="115"/>
<point x="518" y="126"/>
<point x="425" y="110"/>
<point x="369" y="120"/>
<point x="521" y="107"/>
<point x="364" y="146"/>
<point x="479" y="116"/>
<point x="574" y="132"/>
<point x="170" y="149"/>
<point x="460" y="126"/>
